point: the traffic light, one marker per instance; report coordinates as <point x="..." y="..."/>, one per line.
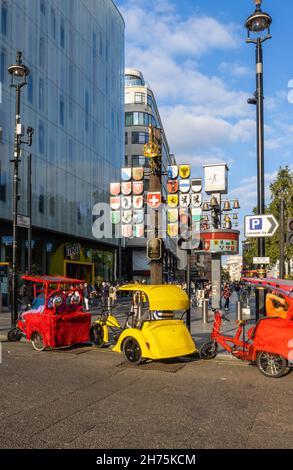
<point x="154" y="249"/>
<point x="289" y="237"/>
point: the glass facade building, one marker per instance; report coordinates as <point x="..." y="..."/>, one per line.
<point x="74" y="100"/>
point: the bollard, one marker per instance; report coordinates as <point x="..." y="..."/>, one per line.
<point x="205" y="311"/>
<point x="238" y="310"/>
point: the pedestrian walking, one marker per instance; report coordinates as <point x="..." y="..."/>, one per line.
<point x="86" y="296"/>
<point x="226" y="296"/>
<point x="104" y="294"/>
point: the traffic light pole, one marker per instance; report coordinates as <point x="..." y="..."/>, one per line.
<point x="282" y="239"/>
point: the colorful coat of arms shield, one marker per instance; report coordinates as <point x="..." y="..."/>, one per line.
<point x="126" y="202"/>
<point x="126" y="188"/>
<point x="138" y="217"/>
<point x="173" y="200"/>
<point x="126" y="231"/>
<point x="184" y="171"/>
<point x="172" y="172"/>
<point x="184" y="186"/>
<point x="154" y="199"/>
<point x="196" y="185"/>
<point x="137" y="187"/>
<point x="115" y="202"/>
<point x="137" y="173"/>
<point x="138" y="230"/>
<point x="172" y="215"/>
<point x="127" y="217"/>
<point x="184" y="200"/>
<point x="115" y="217"/>
<point x="126" y="174"/>
<point x="173" y="186"/>
<point x="196" y="200"/>
<point x="137" y="202"/>
<point x="173" y="230"/>
<point x="115" y="189"/>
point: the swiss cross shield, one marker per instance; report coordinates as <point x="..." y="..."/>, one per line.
<point x="137" y="187"/>
<point x="115" y="189"/>
<point x="196" y="185"/>
<point x="172" y="186"/>
<point x="126" y="174"/>
<point x="196" y="200"/>
<point x="184" y="200"/>
<point x="138" y="217"/>
<point x="154" y="200"/>
<point x="127" y="217"/>
<point x="126" y="188"/>
<point x="172" y="215"/>
<point x="137" y="202"/>
<point x="173" y="230"/>
<point x="172" y="172"/>
<point x="115" y="202"/>
<point x="137" y="173"/>
<point x="115" y="217"/>
<point x="184" y="171"/>
<point x="138" y="230"/>
<point x="126" y="231"/>
<point x="173" y="200"/>
<point x="184" y="186"/>
<point x="126" y="202"/>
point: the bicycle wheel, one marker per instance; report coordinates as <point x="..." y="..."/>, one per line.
<point x="271" y="365"/>
<point x="208" y="350"/>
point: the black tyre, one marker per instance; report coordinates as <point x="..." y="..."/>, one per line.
<point x="208" y="350"/>
<point x="97" y="335"/>
<point x="131" y="351"/>
<point x="14" y="335"/>
<point x="271" y="365"/>
<point x="38" y="342"/>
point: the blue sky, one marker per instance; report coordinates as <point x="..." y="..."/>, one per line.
<point x="194" y="55"/>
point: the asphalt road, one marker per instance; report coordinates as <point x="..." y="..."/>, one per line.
<point x="84" y="398"/>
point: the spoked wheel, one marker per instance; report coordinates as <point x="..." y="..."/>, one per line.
<point x="38" y="342"/>
<point x="271" y="365"/>
<point x="131" y="351"/>
<point x="97" y="335"/>
<point x="14" y="335"/>
<point x="208" y="350"/>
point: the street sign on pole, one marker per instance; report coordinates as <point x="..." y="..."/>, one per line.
<point x="258" y="226"/>
<point x="261" y="260"/>
<point x="23" y="221"/>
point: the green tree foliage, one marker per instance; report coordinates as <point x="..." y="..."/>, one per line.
<point x="281" y="187"/>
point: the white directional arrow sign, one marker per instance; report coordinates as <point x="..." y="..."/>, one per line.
<point x="257" y="226"/>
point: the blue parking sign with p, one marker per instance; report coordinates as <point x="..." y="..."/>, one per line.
<point x="255" y="224"/>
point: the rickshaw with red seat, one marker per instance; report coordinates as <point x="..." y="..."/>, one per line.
<point x="269" y="343"/>
<point x="56" y="317"/>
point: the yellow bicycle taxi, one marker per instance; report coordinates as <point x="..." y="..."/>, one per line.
<point x="154" y="332"/>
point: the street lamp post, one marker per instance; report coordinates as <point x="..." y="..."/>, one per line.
<point x="256" y="24"/>
<point x="19" y="73"/>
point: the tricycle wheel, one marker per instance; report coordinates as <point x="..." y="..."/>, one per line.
<point x="14" y="335"/>
<point x="132" y="351"/>
<point x="208" y="350"/>
<point x="38" y="342"/>
<point x="271" y="365"/>
<point x="97" y="335"/>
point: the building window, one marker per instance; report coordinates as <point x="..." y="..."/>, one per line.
<point x="30" y="89"/>
<point x="41" y="138"/>
<point x="42" y="52"/>
<point x="53" y="23"/>
<point x="139" y="98"/>
<point x="4" y="16"/>
<point x="139" y="137"/>
<point x="138" y="119"/>
<point x="132" y="80"/>
<point x="41" y="94"/>
<point x="3" y="66"/>
<point x="62" y="33"/>
<point x="126" y="138"/>
<point x="43" y="7"/>
<point x="126" y="160"/>
<point x="61" y="111"/>
<point x="138" y="160"/>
